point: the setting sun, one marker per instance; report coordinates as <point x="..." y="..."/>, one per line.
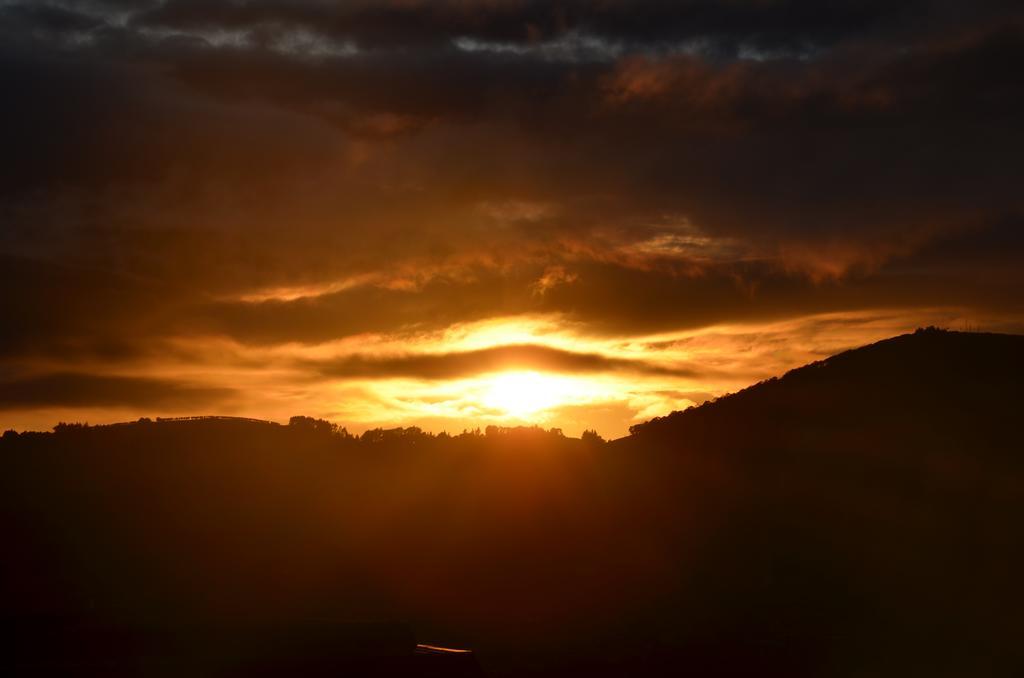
<point x="522" y="394"/>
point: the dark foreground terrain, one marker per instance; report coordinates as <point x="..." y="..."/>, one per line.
<point x="859" y="516"/>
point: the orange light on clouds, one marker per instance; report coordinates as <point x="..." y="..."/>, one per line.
<point x="642" y="376"/>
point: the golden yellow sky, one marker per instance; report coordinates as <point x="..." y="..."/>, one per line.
<point x="622" y="380"/>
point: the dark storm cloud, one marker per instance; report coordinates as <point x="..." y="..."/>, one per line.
<point x="52" y="309"/>
<point x="606" y="298"/>
<point x="876" y="142"/>
<point x="467" y="363"/>
<point x="161" y="163"/>
<point x="723" y="27"/>
<point x="91" y="390"/>
<point x="621" y="298"/>
<point x="53" y="19"/>
<point x="365" y="309"/>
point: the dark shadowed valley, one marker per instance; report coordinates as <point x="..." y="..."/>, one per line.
<point x="857" y="516"/>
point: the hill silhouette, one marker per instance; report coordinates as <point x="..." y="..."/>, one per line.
<point x="857" y="516"/>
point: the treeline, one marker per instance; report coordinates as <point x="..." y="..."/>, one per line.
<point x="414" y="435"/>
<point x="330" y="431"/>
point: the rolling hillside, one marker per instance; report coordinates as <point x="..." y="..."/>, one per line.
<point x="857" y="516"/>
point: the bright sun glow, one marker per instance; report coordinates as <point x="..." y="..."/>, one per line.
<point x="522" y="394"/>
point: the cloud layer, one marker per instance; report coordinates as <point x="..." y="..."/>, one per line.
<point x="354" y="180"/>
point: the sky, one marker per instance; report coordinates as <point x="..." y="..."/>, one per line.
<point x="455" y="213"/>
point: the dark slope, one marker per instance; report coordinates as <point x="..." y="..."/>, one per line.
<point x="949" y="390"/>
<point x="870" y="503"/>
<point x="859" y="516"/>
